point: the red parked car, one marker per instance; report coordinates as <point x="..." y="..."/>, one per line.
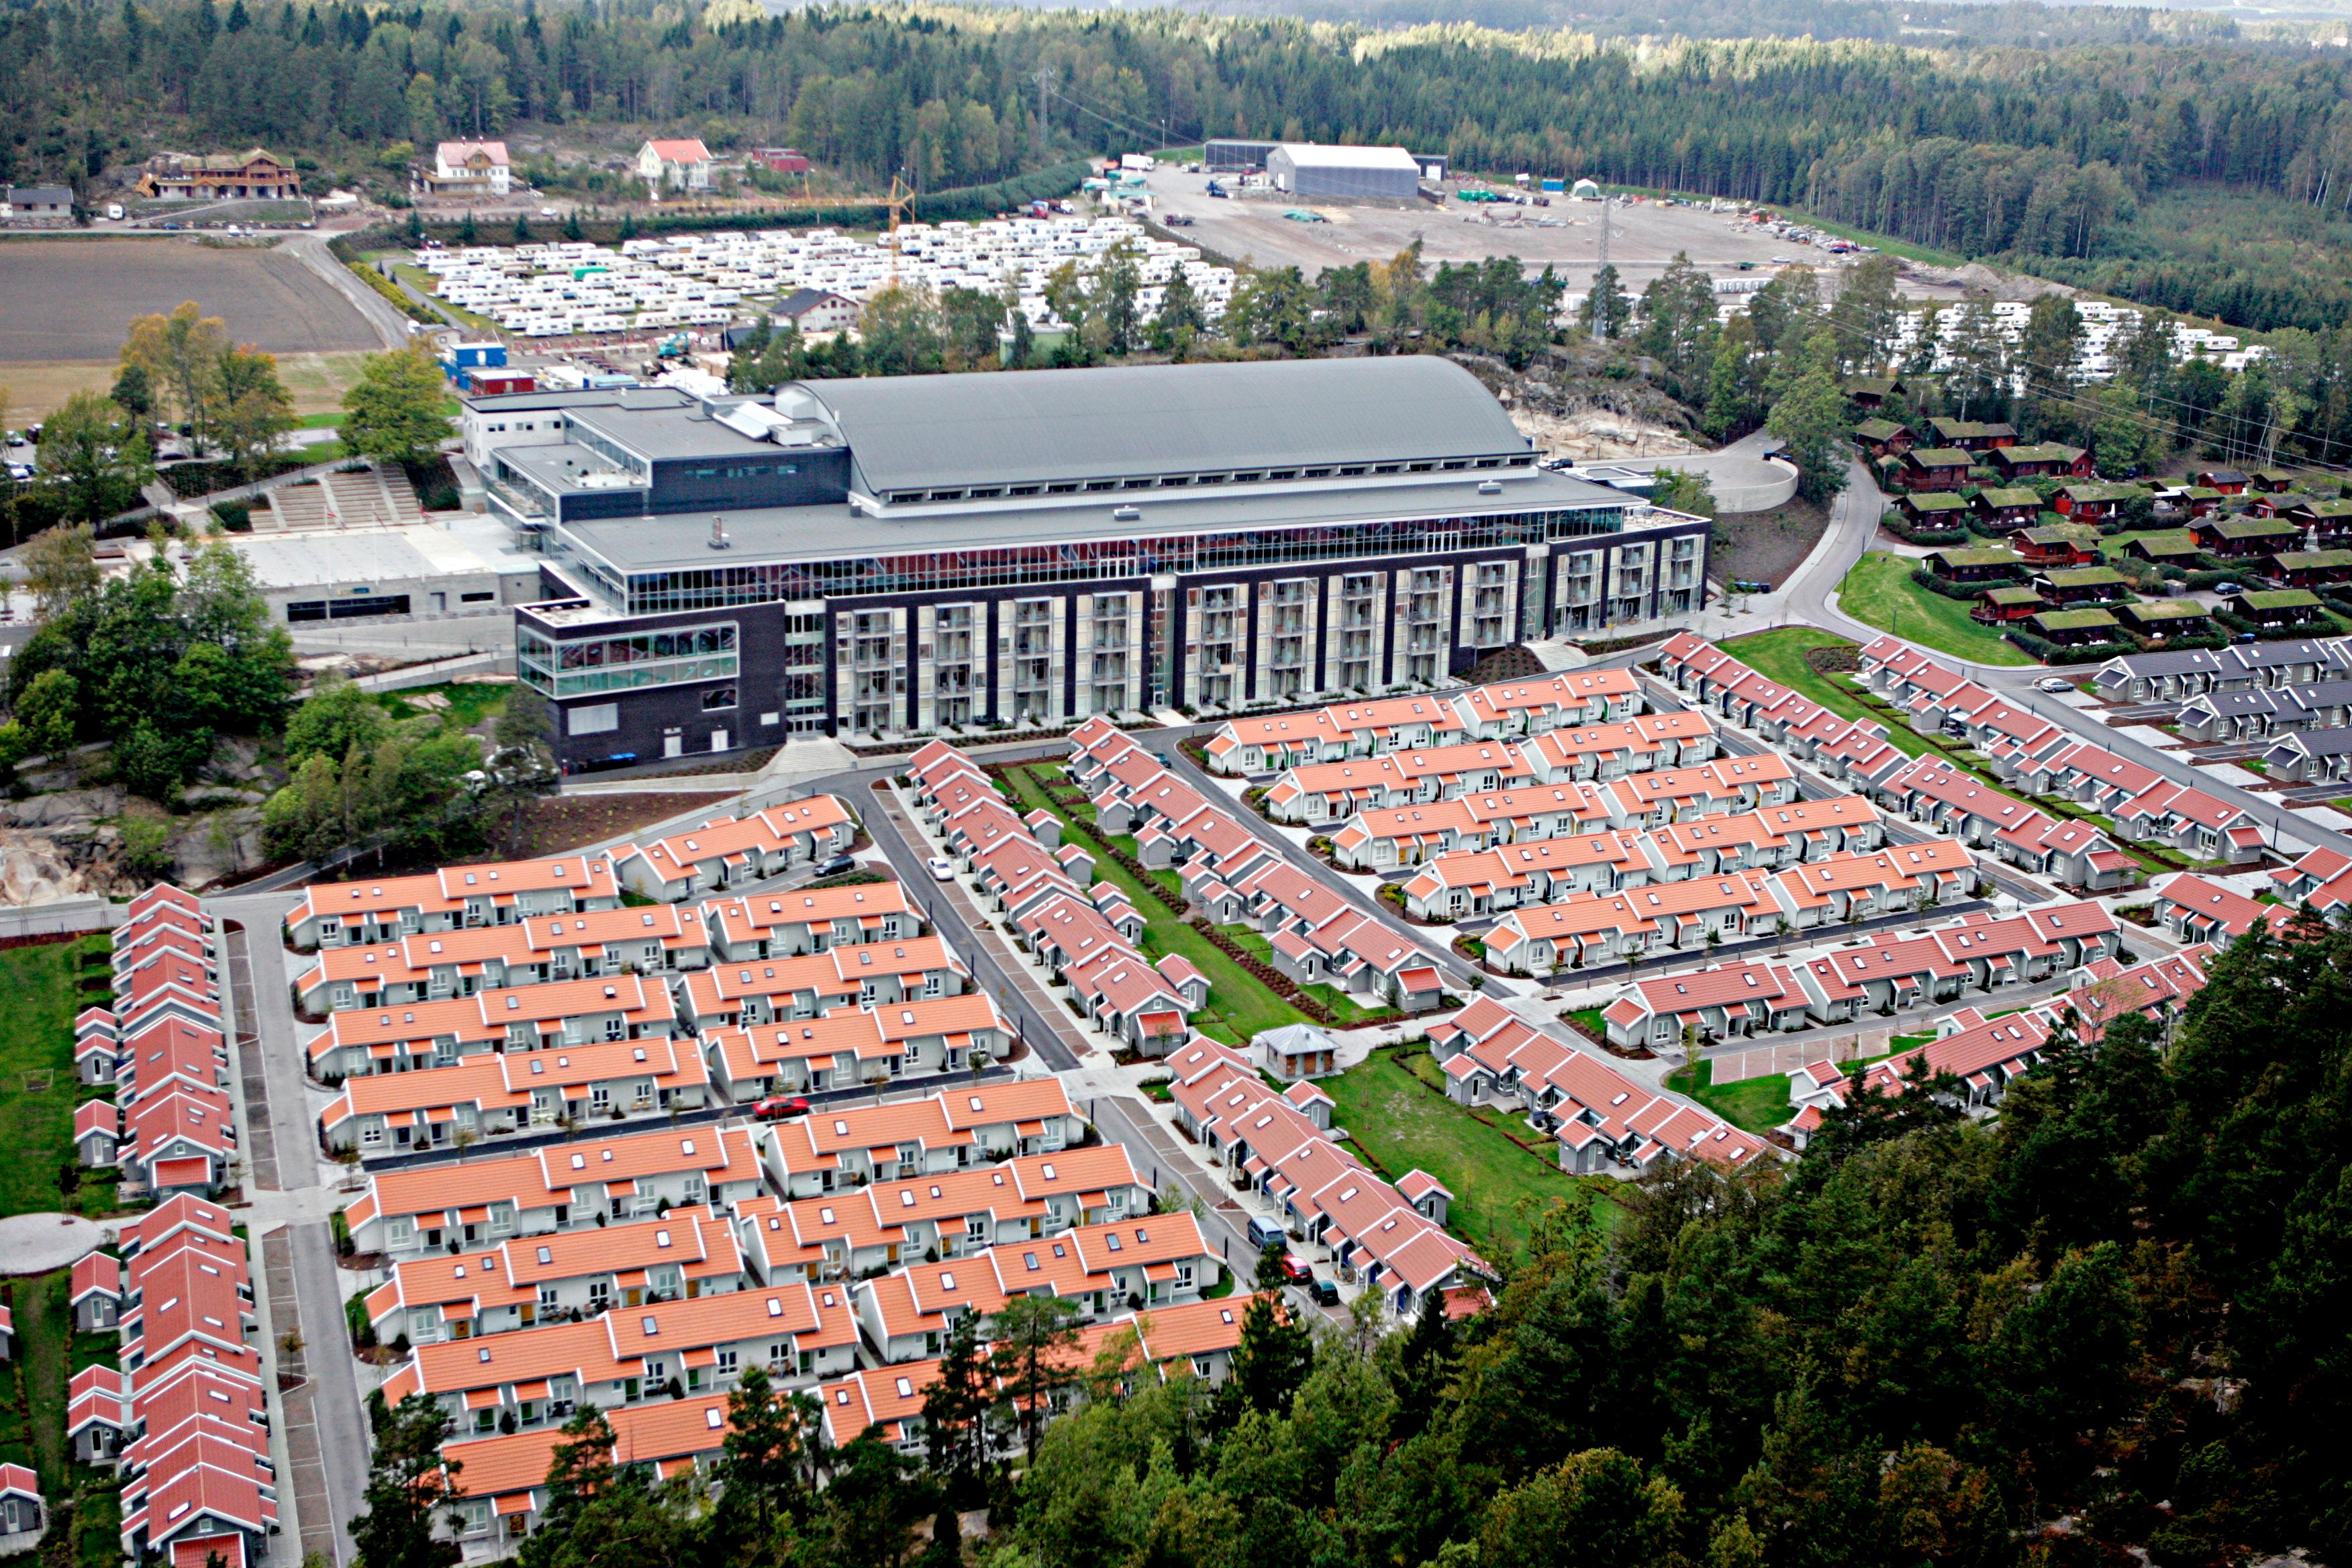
<point x="1295" y="1269"/>
<point x="779" y="1108"/>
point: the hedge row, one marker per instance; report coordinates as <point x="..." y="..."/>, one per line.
<point x="1285" y="989"/>
<point x="2049" y="652"/>
<point x="1901" y="527"/>
<point x="1963" y="591"/>
<point x="386" y="288"/>
<point x="2239" y="623"/>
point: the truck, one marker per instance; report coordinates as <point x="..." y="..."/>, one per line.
<point x="1141" y="163"/>
<point x="114" y="212"/>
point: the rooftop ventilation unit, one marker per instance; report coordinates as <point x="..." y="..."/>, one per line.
<point x="1491" y="488"/>
<point x="1126" y="514"/>
<point x="719" y="540"/>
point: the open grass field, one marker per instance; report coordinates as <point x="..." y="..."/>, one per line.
<point x="1879" y="591"/>
<point x="1502" y="1174"/>
<point x="43" y="988"/>
<point x="1240" y="1007"/>
<point x="38" y="388"/>
<point x="1755" y="1104"/>
<point x="71" y="298"/>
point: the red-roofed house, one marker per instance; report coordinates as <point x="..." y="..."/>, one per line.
<point x="682" y="164"/>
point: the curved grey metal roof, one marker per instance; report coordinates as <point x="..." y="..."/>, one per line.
<point x="931" y="432"/>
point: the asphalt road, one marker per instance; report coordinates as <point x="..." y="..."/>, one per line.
<point x="309" y="247"/>
<point x="317" y="1309"/>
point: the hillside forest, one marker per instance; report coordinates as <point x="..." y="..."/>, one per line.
<point x="2107" y="1327"/>
<point x="2045" y="155"/>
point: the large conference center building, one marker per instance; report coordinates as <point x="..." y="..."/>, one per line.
<point x="897" y="556"/>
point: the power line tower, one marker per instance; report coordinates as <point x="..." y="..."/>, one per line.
<point x="1600" y="266"/>
<point x="1044" y="80"/>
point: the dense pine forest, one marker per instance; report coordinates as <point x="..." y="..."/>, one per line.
<point x="2112" y="1321"/>
<point x="2032" y="153"/>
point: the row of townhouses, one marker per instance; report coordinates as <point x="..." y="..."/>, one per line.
<point x="184" y="1420"/>
<point x="1322" y="794"/>
<point x="1700" y="913"/>
<point x="2177" y="676"/>
<point x="837" y="1250"/>
<point x="2043" y="759"/>
<point x="1082" y="931"/>
<point x="1507" y="710"/>
<point x="561" y="1006"/>
<point x="1601" y="1120"/>
<point x="500" y="1482"/>
<point x="1885" y="974"/>
<point x="2024" y="751"/>
<point x="160" y="1046"/>
<point x="1472" y="882"/>
<point x="1985" y="1056"/>
<point x="1391" y="1239"/>
<point x="720" y="856"/>
<point x="2195" y="909"/>
<point x="1383" y="838"/>
<point x="1236" y="877"/>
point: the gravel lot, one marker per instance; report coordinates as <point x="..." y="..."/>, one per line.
<point x="1642" y="240"/>
<point x="73" y="299"/>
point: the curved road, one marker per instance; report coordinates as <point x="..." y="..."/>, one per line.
<point x="309" y="247"/>
<point x="1809" y="597"/>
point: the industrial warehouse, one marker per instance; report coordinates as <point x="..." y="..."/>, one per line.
<point x="889" y="557"/>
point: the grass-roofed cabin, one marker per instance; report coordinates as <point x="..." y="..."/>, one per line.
<point x="2311" y="568"/>
<point x="2162" y="620"/>
<point x="2004" y="509"/>
<point x="2165" y="547"/>
<point x="1999" y="606"/>
<point x="2281" y="607"/>
<point x="1972" y="564"/>
<point x="2072" y="628"/>
<point x="1933" y="509"/>
<point x="2085" y="586"/>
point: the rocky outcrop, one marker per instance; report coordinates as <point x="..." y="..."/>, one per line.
<point x="38" y="868"/>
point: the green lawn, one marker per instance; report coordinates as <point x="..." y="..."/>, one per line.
<point x="1240" y="1008"/>
<point x="470" y="701"/>
<point x="424" y="283"/>
<point x="44" y="987"/>
<point x="1501" y="1171"/>
<point x="1756" y="1104"/>
<point x="1780" y="654"/>
<point x="1879" y="591"/>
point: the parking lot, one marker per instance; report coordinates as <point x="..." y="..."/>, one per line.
<point x="1565" y="234"/>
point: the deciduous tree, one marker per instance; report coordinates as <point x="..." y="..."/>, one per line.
<point x="396" y="410"/>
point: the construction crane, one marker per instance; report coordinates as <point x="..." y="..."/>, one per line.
<point x="900" y="202"/>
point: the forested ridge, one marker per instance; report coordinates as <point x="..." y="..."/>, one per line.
<point x="1992" y="150"/>
<point x="2117" y="1319"/>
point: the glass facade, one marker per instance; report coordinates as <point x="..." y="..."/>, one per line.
<point x="662" y="592"/>
<point x="625" y="663"/>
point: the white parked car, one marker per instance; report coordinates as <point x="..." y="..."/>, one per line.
<point x="2053" y="685"/>
<point x="942" y="868"/>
